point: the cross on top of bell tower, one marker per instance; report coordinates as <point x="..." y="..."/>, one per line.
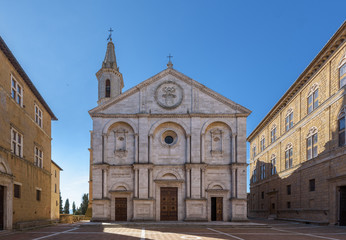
<point x="110" y="34"/>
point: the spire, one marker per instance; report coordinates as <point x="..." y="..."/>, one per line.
<point x="110" y="59"/>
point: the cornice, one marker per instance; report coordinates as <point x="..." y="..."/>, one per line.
<point x="317" y="63"/>
<point x="11" y="58"/>
<point x="165" y="115"/>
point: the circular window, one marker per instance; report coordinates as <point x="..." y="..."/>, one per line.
<point x="169" y="139"/>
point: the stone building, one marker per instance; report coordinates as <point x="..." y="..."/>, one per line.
<point x="25" y="147"/>
<point x="166" y="149"/>
<point x="298" y="152"/>
<point x="55" y="189"/>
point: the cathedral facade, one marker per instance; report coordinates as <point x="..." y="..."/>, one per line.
<point x="168" y="149"/>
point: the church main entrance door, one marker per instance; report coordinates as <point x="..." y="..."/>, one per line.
<point x="216" y="209"/>
<point x="343" y="206"/>
<point x="120" y="209"/>
<point x="2" y="190"/>
<point x="169" y="204"/>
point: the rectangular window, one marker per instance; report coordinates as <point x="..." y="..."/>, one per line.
<point x="288" y="189"/>
<point x="38" y="195"/>
<point x="16" y="190"/>
<point x="55" y="173"/>
<point x="273" y="135"/>
<point x="254" y="151"/>
<point x="16" y="142"/>
<point x="342" y="75"/>
<point x="342" y="132"/>
<point x="312" y="185"/>
<point x="262" y="195"/>
<point x="254" y="175"/>
<point x="289" y="122"/>
<point x="38" y="157"/>
<point x="38" y="116"/>
<point x="313" y="101"/>
<point x="288" y="204"/>
<point x="288" y="158"/>
<point x="311" y="146"/>
<point x="263" y="171"/>
<point x="16" y="91"/>
<point x="273" y="166"/>
<point x="263" y="144"/>
<point x="55" y="188"/>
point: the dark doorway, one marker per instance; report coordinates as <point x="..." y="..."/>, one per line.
<point x="342" y="206"/>
<point x="2" y="193"/>
<point x="169" y="204"/>
<point x="120" y="209"/>
<point x="216" y="209"/>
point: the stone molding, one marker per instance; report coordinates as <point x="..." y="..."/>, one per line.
<point x="169" y="115"/>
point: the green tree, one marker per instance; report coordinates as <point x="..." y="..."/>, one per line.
<point x="73" y="208"/>
<point x="67" y="207"/>
<point x="60" y="207"/>
<point x="84" y="204"/>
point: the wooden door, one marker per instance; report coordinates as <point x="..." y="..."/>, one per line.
<point x="2" y="191"/>
<point x="342" y="214"/>
<point x="217" y="209"/>
<point x="120" y="209"/>
<point x="169" y="204"/>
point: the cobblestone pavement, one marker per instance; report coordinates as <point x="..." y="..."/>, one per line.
<point x="281" y="230"/>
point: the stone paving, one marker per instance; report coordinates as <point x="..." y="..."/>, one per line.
<point x="254" y="230"/>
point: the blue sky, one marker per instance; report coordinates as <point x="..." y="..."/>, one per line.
<point x="248" y="51"/>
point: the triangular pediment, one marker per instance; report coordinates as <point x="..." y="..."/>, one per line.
<point x="169" y="92"/>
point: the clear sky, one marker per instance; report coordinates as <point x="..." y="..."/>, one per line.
<point x="248" y="51"/>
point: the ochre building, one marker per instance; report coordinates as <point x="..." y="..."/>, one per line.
<point x="298" y="152"/>
<point x="167" y="149"/>
<point x="25" y="146"/>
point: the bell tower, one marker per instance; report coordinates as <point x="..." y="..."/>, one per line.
<point x="110" y="79"/>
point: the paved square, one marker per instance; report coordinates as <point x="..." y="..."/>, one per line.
<point x="274" y="230"/>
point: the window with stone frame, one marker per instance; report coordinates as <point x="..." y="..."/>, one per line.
<point x="16" y="91"/>
<point x="38" y="116"/>
<point x="253" y="150"/>
<point x="108" y="88"/>
<point x="38" y="161"/>
<point x="16" y="142"/>
<point x="341" y="127"/>
<point x="289" y="120"/>
<point x="273" y="165"/>
<point x="289" y="156"/>
<point x="312" y="185"/>
<point x="273" y="134"/>
<point x="263" y="171"/>
<point x="263" y="143"/>
<point x="38" y="194"/>
<point x="342" y="71"/>
<point x="254" y="174"/>
<point x="16" y="190"/>
<point x="313" y="98"/>
<point x="288" y="188"/>
<point x="311" y="143"/>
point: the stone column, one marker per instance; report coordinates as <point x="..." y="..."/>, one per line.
<point x="202" y="147"/>
<point x="136" y="183"/>
<point x="233" y="183"/>
<point x="234" y="147"/>
<point x="136" y="148"/>
<point x="188" y="153"/>
<point x="150" y="147"/>
<point x="202" y="182"/>
<point x="188" y="186"/>
<point x="150" y="194"/>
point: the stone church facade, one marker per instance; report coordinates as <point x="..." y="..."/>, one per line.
<point x="168" y="149"/>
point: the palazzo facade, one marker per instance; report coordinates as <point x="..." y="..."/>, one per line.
<point x="168" y="149"/>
